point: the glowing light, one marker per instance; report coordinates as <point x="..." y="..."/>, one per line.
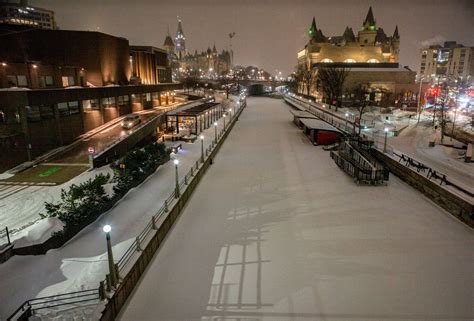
<point x="107" y="228"/>
<point x="176" y="162"/>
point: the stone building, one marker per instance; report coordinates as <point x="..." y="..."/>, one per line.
<point x="206" y="63"/>
<point x="371" y="45"/>
<point x="371" y="57"/>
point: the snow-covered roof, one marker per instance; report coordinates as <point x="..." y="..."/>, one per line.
<point x="318" y="124"/>
<point x="301" y="114"/>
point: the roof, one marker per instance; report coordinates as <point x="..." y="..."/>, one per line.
<point x="168" y="42"/>
<point x="149" y="49"/>
<point x="369" y="19"/>
<point x="194" y="111"/>
<point x="319" y="125"/>
<point x="301" y="114"/>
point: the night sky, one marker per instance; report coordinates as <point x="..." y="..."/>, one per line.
<point x="268" y="33"/>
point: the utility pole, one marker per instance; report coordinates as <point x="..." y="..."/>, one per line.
<point x="419" y="100"/>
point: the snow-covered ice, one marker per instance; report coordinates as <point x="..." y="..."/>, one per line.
<point x="276" y="231"/>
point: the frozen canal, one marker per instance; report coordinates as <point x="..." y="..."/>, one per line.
<point x="276" y="231"/>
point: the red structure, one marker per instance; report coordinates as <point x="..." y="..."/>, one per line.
<point x="320" y="132"/>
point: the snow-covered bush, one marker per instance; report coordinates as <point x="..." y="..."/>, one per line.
<point x="138" y="164"/>
<point x="81" y="204"/>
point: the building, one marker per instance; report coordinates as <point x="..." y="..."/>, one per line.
<point x="41" y="58"/>
<point x="56" y="85"/>
<point x="209" y="63"/>
<point x="149" y="65"/>
<point x="370" y="46"/>
<point x="19" y="13"/>
<point x="180" y="41"/>
<point x="371" y="57"/>
<point x="449" y="62"/>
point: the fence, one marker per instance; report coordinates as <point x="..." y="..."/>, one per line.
<point x="171" y="206"/>
<point x="43" y="305"/>
<point x="360" y="167"/>
<point x="4" y="238"/>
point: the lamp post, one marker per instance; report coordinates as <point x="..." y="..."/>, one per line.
<point x="385" y="141"/>
<point x="176" y="191"/>
<point x="224" y="121"/>
<point x="419" y="99"/>
<point x="230" y="113"/>
<point x="202" y="148"/>
<point x="110" y="255"/>
<point x="454" y="122"/>
<point x="347" y="115"/>
<point x="215" y="131"/>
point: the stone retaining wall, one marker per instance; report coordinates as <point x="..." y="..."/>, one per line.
<point x="454" y="204"/>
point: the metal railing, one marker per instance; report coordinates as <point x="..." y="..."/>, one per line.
<point x="4" y="238"/>
<point x="360" y="166"/>
<point x="66" y="301"/>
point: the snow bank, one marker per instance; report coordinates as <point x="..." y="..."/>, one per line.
<point x="109" y="189"/>
<point x="38" y="232"/>
<point x="5" y="175"/>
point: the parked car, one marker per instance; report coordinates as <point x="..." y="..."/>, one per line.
<point x="130" y="121"/>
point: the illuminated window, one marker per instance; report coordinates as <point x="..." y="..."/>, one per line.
<point x="326" y="60"/>
<point x="372" y="61"/>
<point x="350" y="61"/>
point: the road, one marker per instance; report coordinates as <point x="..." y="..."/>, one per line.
<point x="103" y="138"/>
<point x="276" y="231"/>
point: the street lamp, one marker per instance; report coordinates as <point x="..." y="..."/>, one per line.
<point x="224" y="121"/>
<point x="347" y="115"/>
<point x="385" y="141"/>
<point x="202" y="148"/>
<point x="176" y="192"/>
<point x="230" y="113"/>
<point x="215" y="131"/>
<point x="110" y="256"/>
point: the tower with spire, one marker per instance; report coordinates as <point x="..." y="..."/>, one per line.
<point x="368" y="32"/>
<point x="180" y="42"/>
<point x="169" y="45"/>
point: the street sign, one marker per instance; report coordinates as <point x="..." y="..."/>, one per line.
<point x="91" y="150"/>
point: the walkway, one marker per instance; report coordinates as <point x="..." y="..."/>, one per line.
<point x="276" y="231"/>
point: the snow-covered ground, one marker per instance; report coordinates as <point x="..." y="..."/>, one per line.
<point x="276" y="231"/>
<point x="81" y="263"/>
<point x="21" y="205"/>
<point x="412" y="140"/>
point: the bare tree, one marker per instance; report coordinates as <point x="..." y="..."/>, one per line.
<point x="359" y="101"/>
<point x="331" y="81"/>
<point x="292" y="82"/>
<point x="305" y="77"/>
